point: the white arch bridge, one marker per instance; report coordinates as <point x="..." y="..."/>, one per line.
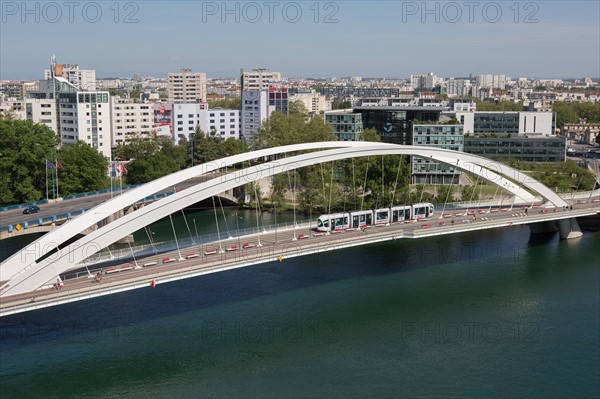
<point x="41" y="262"/>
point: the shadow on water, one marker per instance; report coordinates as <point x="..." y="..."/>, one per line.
<point x="253" y="282"/>
<point x="542" y="238"/>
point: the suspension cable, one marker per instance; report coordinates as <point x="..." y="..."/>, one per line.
<point x="396" y="182"/>
<point x="365" y="183"/>
<point x="450" y="190"/>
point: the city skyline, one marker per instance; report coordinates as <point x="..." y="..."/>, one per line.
<point x="318" y="39"/>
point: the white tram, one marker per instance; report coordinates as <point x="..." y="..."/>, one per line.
<point x="377" y="217"/>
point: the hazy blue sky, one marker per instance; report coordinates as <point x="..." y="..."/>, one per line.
<point x="344" y="38"/>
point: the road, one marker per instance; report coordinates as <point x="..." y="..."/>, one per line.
<point x="14" y="216"/>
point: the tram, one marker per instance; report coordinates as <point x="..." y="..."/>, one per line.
<point x="377" y="217"/>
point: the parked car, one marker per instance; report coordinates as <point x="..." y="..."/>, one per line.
<point x="31" y="209"/>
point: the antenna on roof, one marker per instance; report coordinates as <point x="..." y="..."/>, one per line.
<point x="52" y="65"/>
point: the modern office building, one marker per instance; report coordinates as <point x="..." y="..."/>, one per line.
<point x="530" y="148"/>
<point x="255" y="109"/>
<point x="224" y="123"/>
<point x="440" y="135"/>
<point x="394" y="123"/>
<point x="513" y="122"/>
<point x="72" y="113"/>
<point x="258" y="106"/>
<point x="279" y="99"/>
<point x="130" y="119"/>
<point x="347" y="125"/>
<point x="186" y="87"/>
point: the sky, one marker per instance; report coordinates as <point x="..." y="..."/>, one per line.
<point x="544" y="39"/>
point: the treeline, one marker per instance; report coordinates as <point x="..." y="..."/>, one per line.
<point x="25" y="161"/>
<point x="571" y="112"/>
<point x="500" y="105"/>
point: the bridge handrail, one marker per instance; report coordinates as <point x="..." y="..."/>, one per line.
<point x="66" y="197"/>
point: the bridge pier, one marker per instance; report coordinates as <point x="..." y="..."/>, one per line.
<point x="569" y="229"/>
<point x="543" y="227"/>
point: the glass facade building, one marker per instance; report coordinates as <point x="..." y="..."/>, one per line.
<point x="424" y="171"/>
<point x="346" y="126"/>
<point x="494" y="122"/>
<point x="530" y="149"/>
<point x="394" y="124"/>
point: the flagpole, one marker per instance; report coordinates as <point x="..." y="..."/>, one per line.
<point x="46" y="164"/>
<point x="56" y="167"/>
<point x="110" y="172"/>
<point x="52" y="171"/>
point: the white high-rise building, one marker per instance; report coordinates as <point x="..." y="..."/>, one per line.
<point x="458" y="87"/>
<point x="255" y="109"/>
<point x="493" y="81"/>
<point x="72" y="113"/>
<point x="130" y="119"/>
<point x="83" y="79"/>
<point x="220" y="122"/>
<point x="424" y="81"/>
<point x="259" y="79"/>
<point x="186" y="86"/>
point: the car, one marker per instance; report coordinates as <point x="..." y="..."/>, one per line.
<point x="31" y="209"/>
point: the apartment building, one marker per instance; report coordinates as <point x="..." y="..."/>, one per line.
<point x="217" y="122"/>
<point x="129" y="119"/>
<point x="186" y="86"/>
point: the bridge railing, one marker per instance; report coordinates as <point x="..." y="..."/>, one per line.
<point x="187" y="243"/>
<point x="66" y="197"/>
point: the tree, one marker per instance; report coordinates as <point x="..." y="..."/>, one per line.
<point x="370" y="134"/>
<point x="24" y="151"/>
<point x="339" y="103"/>
<point x="83" y="169"/>
<point x="445" y="193"/>
<point x="297" y="108"/>
<point x="152" y="158"/>
<point x="282" y="129"/>
<point x="226" y="103"/>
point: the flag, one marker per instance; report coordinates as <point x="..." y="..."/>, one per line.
<point x="124" y="169"/>
<point x="153" y="284"/>
<point x="50" y="165"/>
<point x="58" y="164"/>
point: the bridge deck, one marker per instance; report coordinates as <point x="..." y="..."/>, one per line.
<point x="276" y="246"/>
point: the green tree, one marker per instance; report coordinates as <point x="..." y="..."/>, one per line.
<point x="152" y="158"/>
<point x="226" y="103"/>
<point x="469" y="193"/>
<point x="297" y="108"/>
<point x="84" y="169"/>
<point x="370" y="134"/>
<point x="24" y="150"/>
<point x="445" y="193"/>
<point x="498" y="105"/>
<point x="282" y="129"/>
<point x="339" y="103"/>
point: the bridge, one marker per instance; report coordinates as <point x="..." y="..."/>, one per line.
<point x="27" y="276"/>
<point x="54" y="213"/>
